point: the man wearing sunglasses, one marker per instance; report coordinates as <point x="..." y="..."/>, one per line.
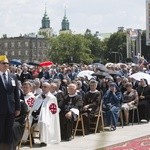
<point x="9" y="103"/>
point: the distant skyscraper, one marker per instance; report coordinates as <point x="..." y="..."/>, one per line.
<point x="148" y="22"/>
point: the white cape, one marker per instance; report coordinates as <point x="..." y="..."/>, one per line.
<point x="48" y="122"/>
<point x="29" y="100"/>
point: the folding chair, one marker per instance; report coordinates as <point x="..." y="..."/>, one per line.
<point x="99" y="120"/>
<point x="35" y="131"/>
<point x="79" y="120"/>
<point x="121" y="118"/>
<point x="135" y="108"/>
<point x="27" y="128"/>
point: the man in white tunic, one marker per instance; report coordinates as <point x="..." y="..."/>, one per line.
<point x="45" y="109"/>
<point x="28" y="94"/>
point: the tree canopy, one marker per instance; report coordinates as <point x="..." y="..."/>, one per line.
<point x="70" y="48"/>
<point x="78" y="48"/>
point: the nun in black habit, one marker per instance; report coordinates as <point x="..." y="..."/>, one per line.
<point x="144" y="100"/>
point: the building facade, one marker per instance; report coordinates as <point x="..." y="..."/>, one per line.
<point x="133" y="42"/>
<point x="28" y="48"/>
<point x="148" y="22"/>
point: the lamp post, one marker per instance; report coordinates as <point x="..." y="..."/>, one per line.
<point x="37" y="52"/>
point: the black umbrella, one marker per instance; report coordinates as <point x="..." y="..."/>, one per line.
<point x="101" y="75"/>
<point x="33" y="63"/>
<point x="15" y="62"/>
<point x="114" y="73"/>
<point x="102" y="68"/>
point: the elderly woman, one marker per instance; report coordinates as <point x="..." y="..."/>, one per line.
<point x="111" y="105"/>
<point x="130" y="100"/>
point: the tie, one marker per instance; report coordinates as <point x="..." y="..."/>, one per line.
<point x="5" y="80"/>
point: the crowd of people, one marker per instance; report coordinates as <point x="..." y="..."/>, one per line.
<point x="55" y="96"/>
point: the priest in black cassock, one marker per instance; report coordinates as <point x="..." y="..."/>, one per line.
<point x="70" y="108"/>
<point x="91" y="104"/>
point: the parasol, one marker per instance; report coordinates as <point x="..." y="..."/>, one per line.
<point x="46" y="63"/>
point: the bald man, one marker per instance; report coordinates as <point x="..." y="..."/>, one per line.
<point x="70" y="108"/>
<point x="45" y="111"/>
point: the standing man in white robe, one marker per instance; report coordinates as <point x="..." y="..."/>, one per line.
<point x="48" y="117"/>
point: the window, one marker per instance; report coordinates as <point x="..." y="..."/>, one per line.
<point x="19" y="44"/>
<point x="12" y="44"/>
<point x="19" y="53"/>
<point x="26" y="52"/>
<point x="5" y="44"/>
<point x="6" y="52"/>
<point x="12" y="53"/>
<point x="33" y="44"/>
<point x="26" y="44"/>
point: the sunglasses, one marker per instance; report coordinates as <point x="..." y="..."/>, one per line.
<point x="4" y="63"/>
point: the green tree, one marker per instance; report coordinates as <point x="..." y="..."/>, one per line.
<point x="117" y="43"/>
<point x="69" y="48"/>
<point x="96" y="45"/>
<point x="144" y="48"/>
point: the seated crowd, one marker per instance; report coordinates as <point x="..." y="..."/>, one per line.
<point x="54" y="104"/>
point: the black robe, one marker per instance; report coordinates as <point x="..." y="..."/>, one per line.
<point x="60" y="97"/>
<point x="144" y="104"/>
<point x="66" y="124"/>
<point x="19" y="125"/>
<point x="93" y="100"/>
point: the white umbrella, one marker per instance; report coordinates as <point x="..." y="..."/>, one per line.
<point x="141" y="75"/>
<point x="86" y="73"/>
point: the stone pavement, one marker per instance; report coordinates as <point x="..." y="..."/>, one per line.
<point x="99" y="140"/>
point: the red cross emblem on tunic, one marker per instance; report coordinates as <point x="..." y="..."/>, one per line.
<point x="30" y="101"/>
<point x="53" y="108"/>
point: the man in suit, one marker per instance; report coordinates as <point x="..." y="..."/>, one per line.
<point x="9" y="103"/>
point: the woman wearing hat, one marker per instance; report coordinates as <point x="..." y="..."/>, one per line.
<point x="144" y="100"/>
<point x="111" y="105"/>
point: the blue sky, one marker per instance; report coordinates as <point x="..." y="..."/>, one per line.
<point x="24" y="16"/>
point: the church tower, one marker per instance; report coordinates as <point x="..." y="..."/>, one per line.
<point x="46" y="30"/>
<point x="65" y="25"/>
